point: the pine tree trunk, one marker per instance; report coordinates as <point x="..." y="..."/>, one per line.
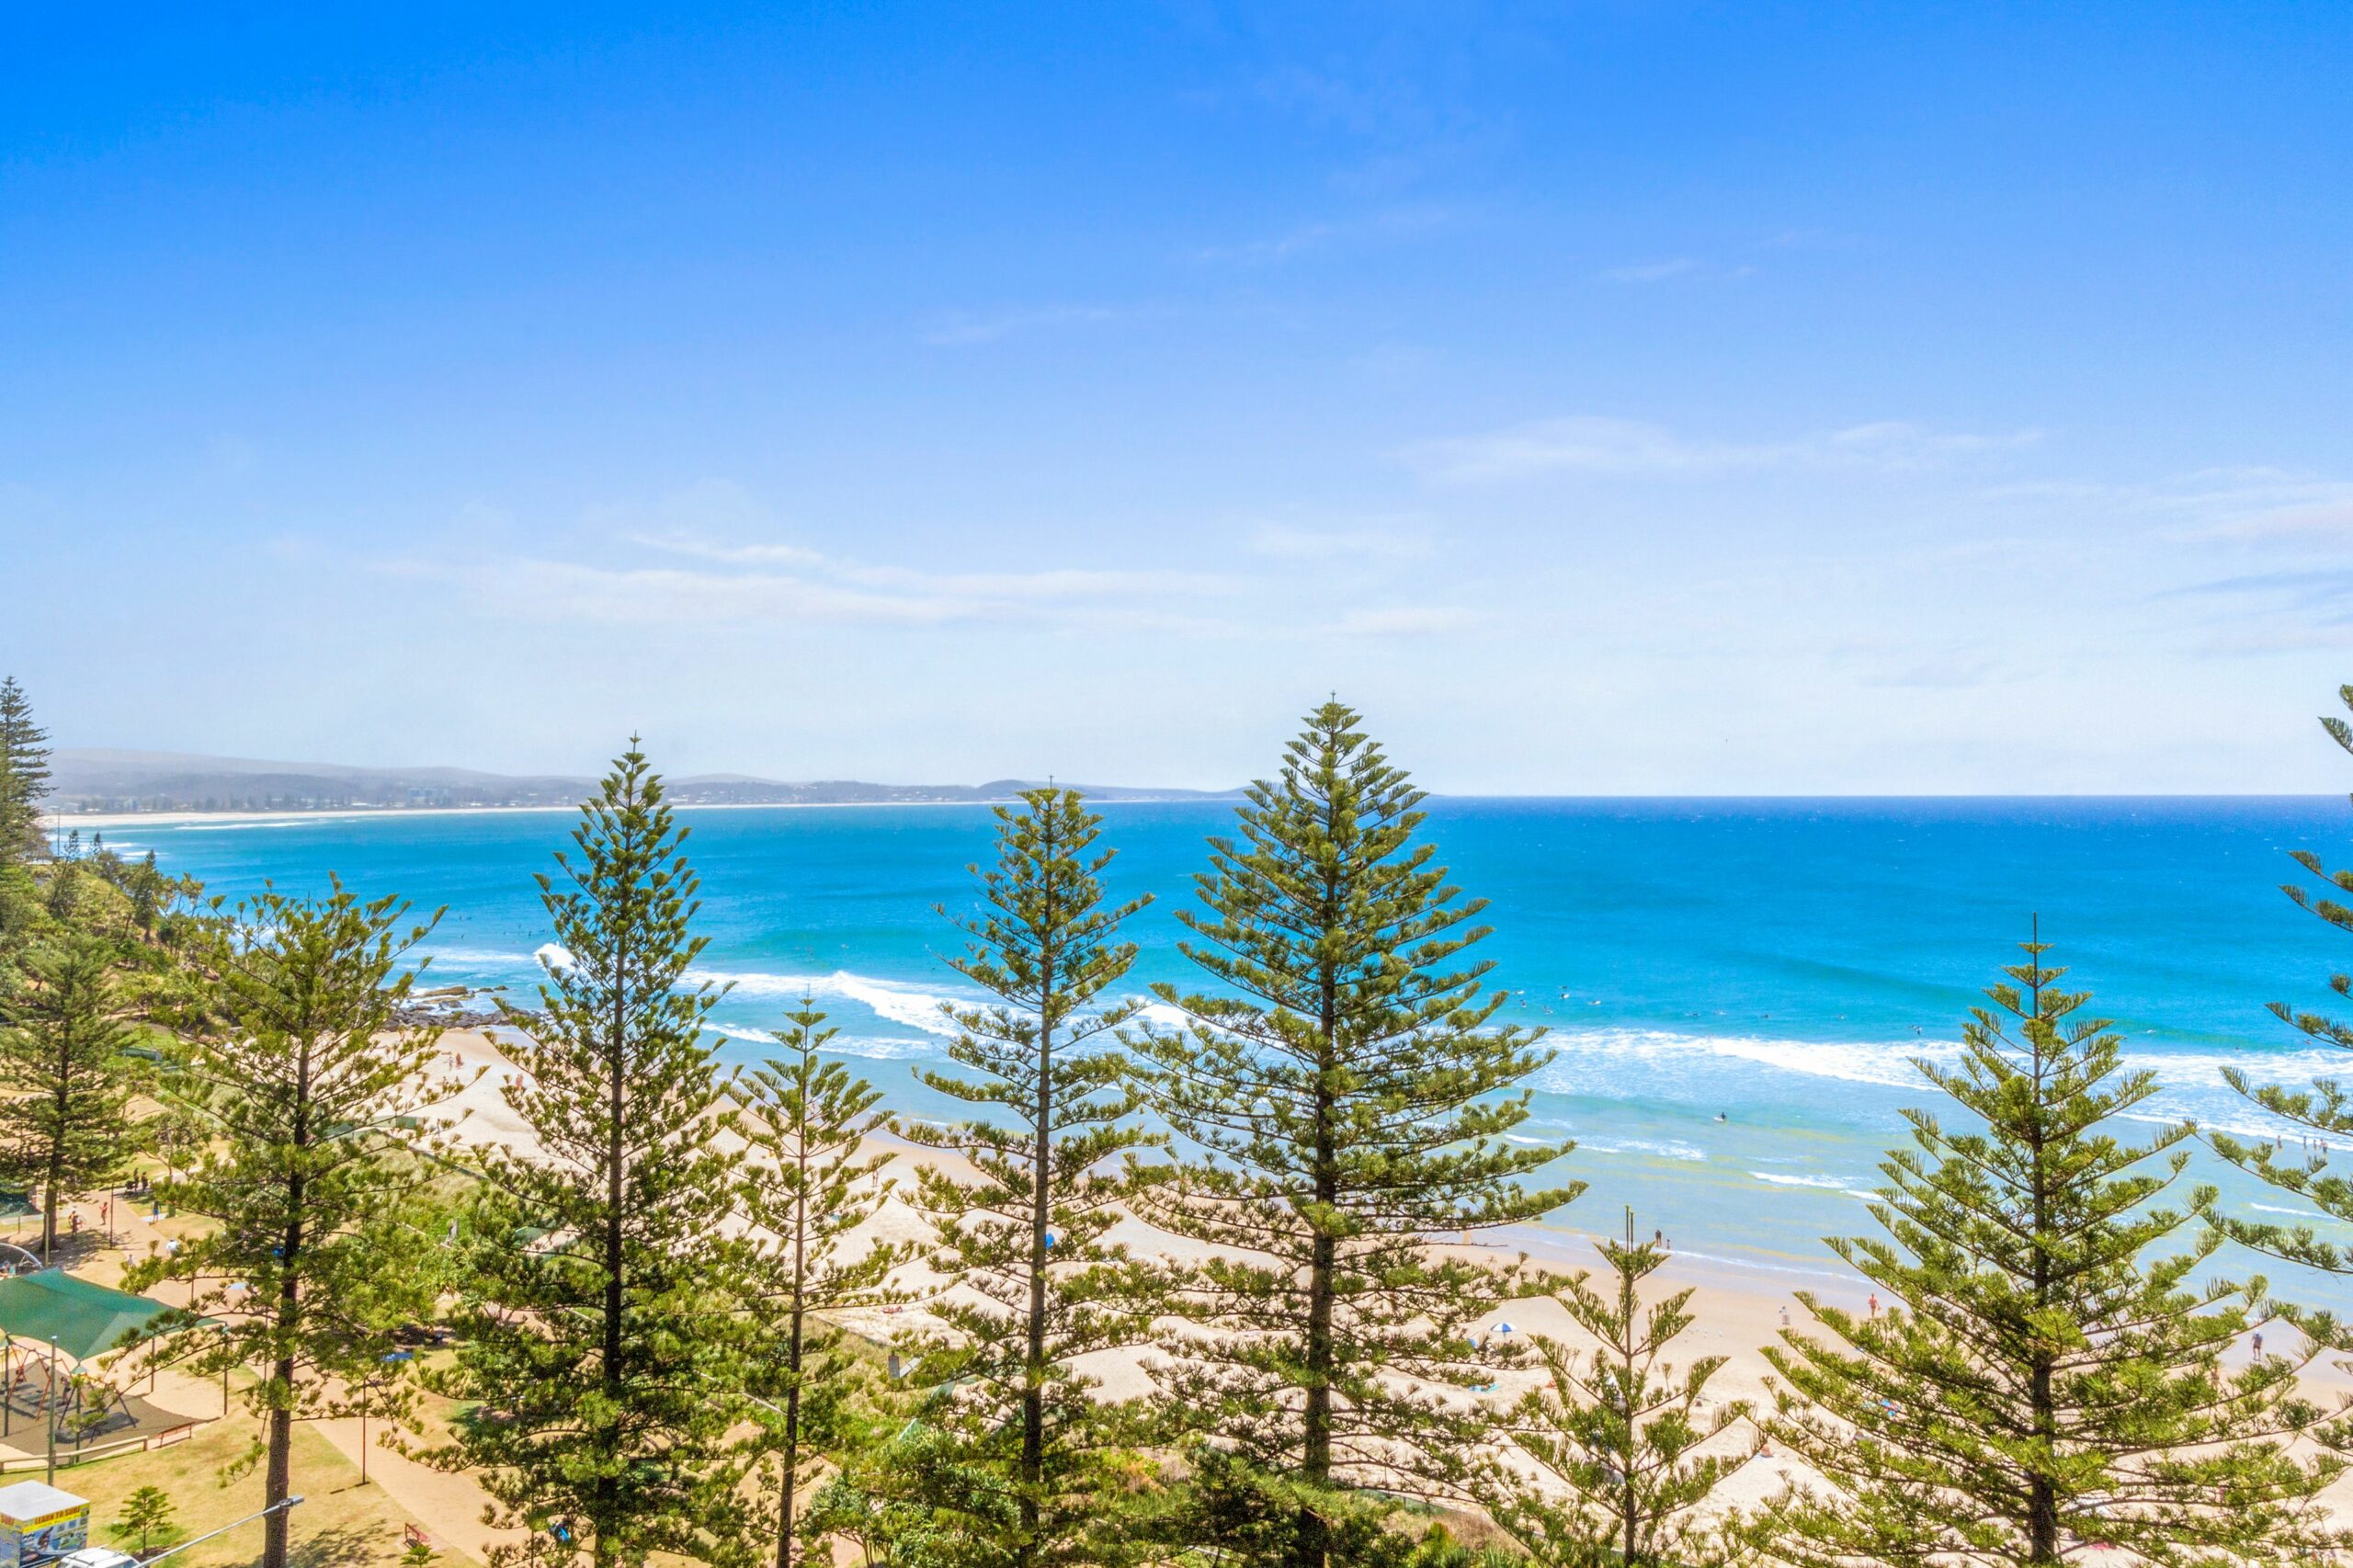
<point x="793" y="1339"/>
<point x="2042" y="1502"/>
<point x="1033" y="1392"/>
<point x="56" y="1165"/>
<point x="278" y="1483"/>
<point x="1629" y="1509"/>
<point x="1315" y="1457"/>
<point x="792" y="1448"/>
<point x="617" y="1105"/>
<point x="607" y="1502"/>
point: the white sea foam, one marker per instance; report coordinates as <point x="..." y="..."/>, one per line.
<point x="911" y="1006"/>
<point x="878" y="1048"/>
<point x="1162" y="1017"/>
<point x="1669" y="1149"/>
<point x="553" y="955"/>
<point x="1753" y="1265"/>
<point x="1889" y="1065"/>
<point x="484" y="958"/>
<point x="1834" y="1183"/>
<point x="1615" y="1062"/>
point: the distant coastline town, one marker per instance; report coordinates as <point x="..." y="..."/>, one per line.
<point x="91" y="782"/>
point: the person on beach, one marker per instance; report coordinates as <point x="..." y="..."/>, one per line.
<point x="1874" y="1306"/>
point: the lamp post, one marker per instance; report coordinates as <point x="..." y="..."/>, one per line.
<point x="225" y="1529"/>
<point x="49" y="1411"/>
<point x="367" y="1393"/>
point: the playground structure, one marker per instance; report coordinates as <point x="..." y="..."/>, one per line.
<point x="84" y="1404"/>
<point x="60" y="1338"/>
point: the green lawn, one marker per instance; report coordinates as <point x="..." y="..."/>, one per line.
<point x="339" y="1522"/>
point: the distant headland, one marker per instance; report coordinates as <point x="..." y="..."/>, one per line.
<point x="93" y="781"/>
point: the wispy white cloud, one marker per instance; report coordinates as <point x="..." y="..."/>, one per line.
<point x="1066" y="583"/>
<point x="755" y="554"/>
<point x="1590" y="444"/>
<point x="2325" y="522"/>
<point x="2251" y="505"/>
<point x="965" y="329"/>
<point x="1282" y="542"/>
<point x="1393" y="223"/>
<point x="1404" y="620"/>
<point x="537" y="588"/>
<point x="2261" y="613"/>
<point x="1948" y="672"/>
<point x="1672" y="268"/>
<point x="730" y="582"/>
<point x="229" y="456"/>
<point x="2329" y="593"/>
<point x="1651" y="271"/>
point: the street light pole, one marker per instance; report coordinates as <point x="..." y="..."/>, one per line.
<point x="225" y="1529"/>
<point x="49" y="1411"/>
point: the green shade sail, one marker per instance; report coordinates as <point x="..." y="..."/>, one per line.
<point x="84" y="1319"/>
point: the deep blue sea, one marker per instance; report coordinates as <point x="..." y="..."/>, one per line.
<point x="1775" y="962"/>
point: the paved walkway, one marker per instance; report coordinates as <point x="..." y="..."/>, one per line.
<point x="449" y="1504"/>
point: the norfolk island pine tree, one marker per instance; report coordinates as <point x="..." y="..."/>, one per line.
<point x="1347" y="1090"/>
<point x="66" y="1129"/>
<point x="603" y="1299"/>
<point x="2042" y="1380"/>
<point x="310" y="1091"/>
<point x="1617" y="1438"/>
<point x="23" y="776"/>
<point x="809" y="1183"/>
<point x="1052" y="1170"/>
<point x="2323" y="1109"/>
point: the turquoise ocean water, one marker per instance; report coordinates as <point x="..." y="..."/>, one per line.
<point x="1775" y="962"/>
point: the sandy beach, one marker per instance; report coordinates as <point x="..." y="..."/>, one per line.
<point x="1737" y="1311"/>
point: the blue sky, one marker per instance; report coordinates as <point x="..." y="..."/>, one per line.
<point x="1605" y="398"/>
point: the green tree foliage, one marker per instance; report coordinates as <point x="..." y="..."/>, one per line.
<point x="146" y="1517"/>
<point x="24" y="777"/>
<point x="2042" y="1379"/>
<point x="65" y="1127"/>
<point x="2325" y="1110"/>
<point x="309" y="1089"/>
<point x="809" y="1183"/>
<point x="914" y="1495"/>
<point x="1023" y="1240"/>
<point x="64" y="897"/>
<point x="149" y="894"/>
<point x="1348" y="1086"/>
<point x="23" y="918"/>
<point x="601" y="1313"/>
<point x="1226" y="1513"/>
<point x="1615" y="1434"/>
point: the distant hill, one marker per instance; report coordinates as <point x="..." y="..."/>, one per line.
<point x="100" y="780"/>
